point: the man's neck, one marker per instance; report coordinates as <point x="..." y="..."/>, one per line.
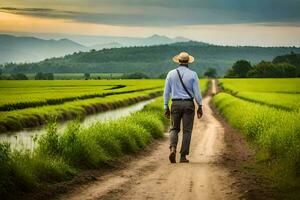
<point x="184" y="65"/>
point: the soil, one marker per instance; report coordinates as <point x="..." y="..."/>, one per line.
<point x="219" y="168"/>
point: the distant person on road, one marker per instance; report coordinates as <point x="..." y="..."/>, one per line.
<point x="183" y="86"/>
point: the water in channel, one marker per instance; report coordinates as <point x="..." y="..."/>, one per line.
<point x="26" y="138"/>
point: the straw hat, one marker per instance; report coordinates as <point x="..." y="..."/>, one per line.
<point x="183" y="58"/>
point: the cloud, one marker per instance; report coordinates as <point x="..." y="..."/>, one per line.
<point x="169" y="12"/>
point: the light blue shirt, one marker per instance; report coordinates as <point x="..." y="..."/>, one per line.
<point x="174" y="87"/>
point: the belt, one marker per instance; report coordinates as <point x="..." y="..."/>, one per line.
<point x="182" y="99"/>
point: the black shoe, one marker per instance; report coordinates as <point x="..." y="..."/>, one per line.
<point x="183" y="160"/>
<point x="172" y="156"/>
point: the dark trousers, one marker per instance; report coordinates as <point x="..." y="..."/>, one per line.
<point x="184" y="110"/>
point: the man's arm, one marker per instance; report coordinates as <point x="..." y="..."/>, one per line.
<point x="198" y="97"/>
<point x="167" y="92"/>
<point x="197" y="91"/>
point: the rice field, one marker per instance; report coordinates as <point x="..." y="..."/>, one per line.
<point x="276" y="85"/>
<point x="24" y="94"/>
<point x="25" y="104"/>
<point x="277" y="93"/>
<point x="60" y="155"/>
<point x="267" y="112"/>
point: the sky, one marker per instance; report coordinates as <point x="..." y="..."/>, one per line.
<point x="225" y="22"/>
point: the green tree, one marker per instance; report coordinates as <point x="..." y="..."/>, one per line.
<point x="162" y="76"/>
<point x="211" y="72"/>
<point x="44" y="76"/>
<point x="239" y="69"/>
<point x="18" y="76"/>
<point x="87" y="76"/>
<point x="50" y="76"/>
<point x="292" y="58"/>
<point x="270" y="70"/>
<point x="137" y="75"/>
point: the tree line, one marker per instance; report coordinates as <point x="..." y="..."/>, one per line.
<point x="151" y="60"/>
<point x="22" y="76"/>
<point x="285" y="66"/>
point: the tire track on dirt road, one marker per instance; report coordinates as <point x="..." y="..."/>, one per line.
<point x="153" y="177"/>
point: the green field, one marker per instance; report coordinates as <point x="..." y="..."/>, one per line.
<point x="267" y="111"/>
<point x="278" y="93"/>
<point x="31" y="103"/>
<point x="59" y="155"/>
<point x="23" y="94"/>
<point x="277" y="85"/>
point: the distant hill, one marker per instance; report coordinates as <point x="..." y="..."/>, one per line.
<point x="152" y="60"/>
<point x="126" y="41"/>
<point x="91" y="40"/>
<point x="31" y="49"/>
<point x="106" y="46"/>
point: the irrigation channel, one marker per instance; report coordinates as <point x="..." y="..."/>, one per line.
<point x="26" y="138"/>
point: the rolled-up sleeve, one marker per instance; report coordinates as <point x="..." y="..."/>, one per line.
<point x="167" y="91"/>
<point x="196" y="90"/>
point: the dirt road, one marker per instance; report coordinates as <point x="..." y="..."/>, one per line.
<point x="153" y="177"/>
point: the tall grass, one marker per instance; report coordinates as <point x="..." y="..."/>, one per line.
<point x="204" y="85"/>
<point x="274" y="131"/>
<point x="60" y="155"/>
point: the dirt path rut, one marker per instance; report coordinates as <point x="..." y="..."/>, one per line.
<point x="153" y="177"/>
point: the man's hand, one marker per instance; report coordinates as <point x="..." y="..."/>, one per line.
<point x="167" y="113"/>
<point x="199" y="112"/>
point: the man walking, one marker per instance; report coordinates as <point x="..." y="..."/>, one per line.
<point x="183" y="85"/>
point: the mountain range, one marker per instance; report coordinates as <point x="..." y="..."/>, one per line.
<point x="32" y="49"/>
<point x="151" y="60"/>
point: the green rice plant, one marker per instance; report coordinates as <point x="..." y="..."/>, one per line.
<point x="150" y="122"/>
<point x="283" y="101"/>
<point x="204" y="85"/>
<point x="80" y="150"/>
<point x="23" y="171"/>
<point x="93" y="146"/>
<point x="49" y="143"/>
<point x="25" y="94"/>
<point x="31" y="169"/>
<point x="275" y="85"/>
<point x="60" y="155"/>
<point x="156" y="107"/>
<point x="102" y="134"/>
<point x="273" y="130"/>
<point x="5" y="168"/>
<point x="31" y="117"/>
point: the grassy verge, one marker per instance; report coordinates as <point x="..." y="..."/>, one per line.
<point x="204" y="86"/>
<point x="31" y="117"/>
<point x="275" y="133"/>
<point x="61" y="155"/>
